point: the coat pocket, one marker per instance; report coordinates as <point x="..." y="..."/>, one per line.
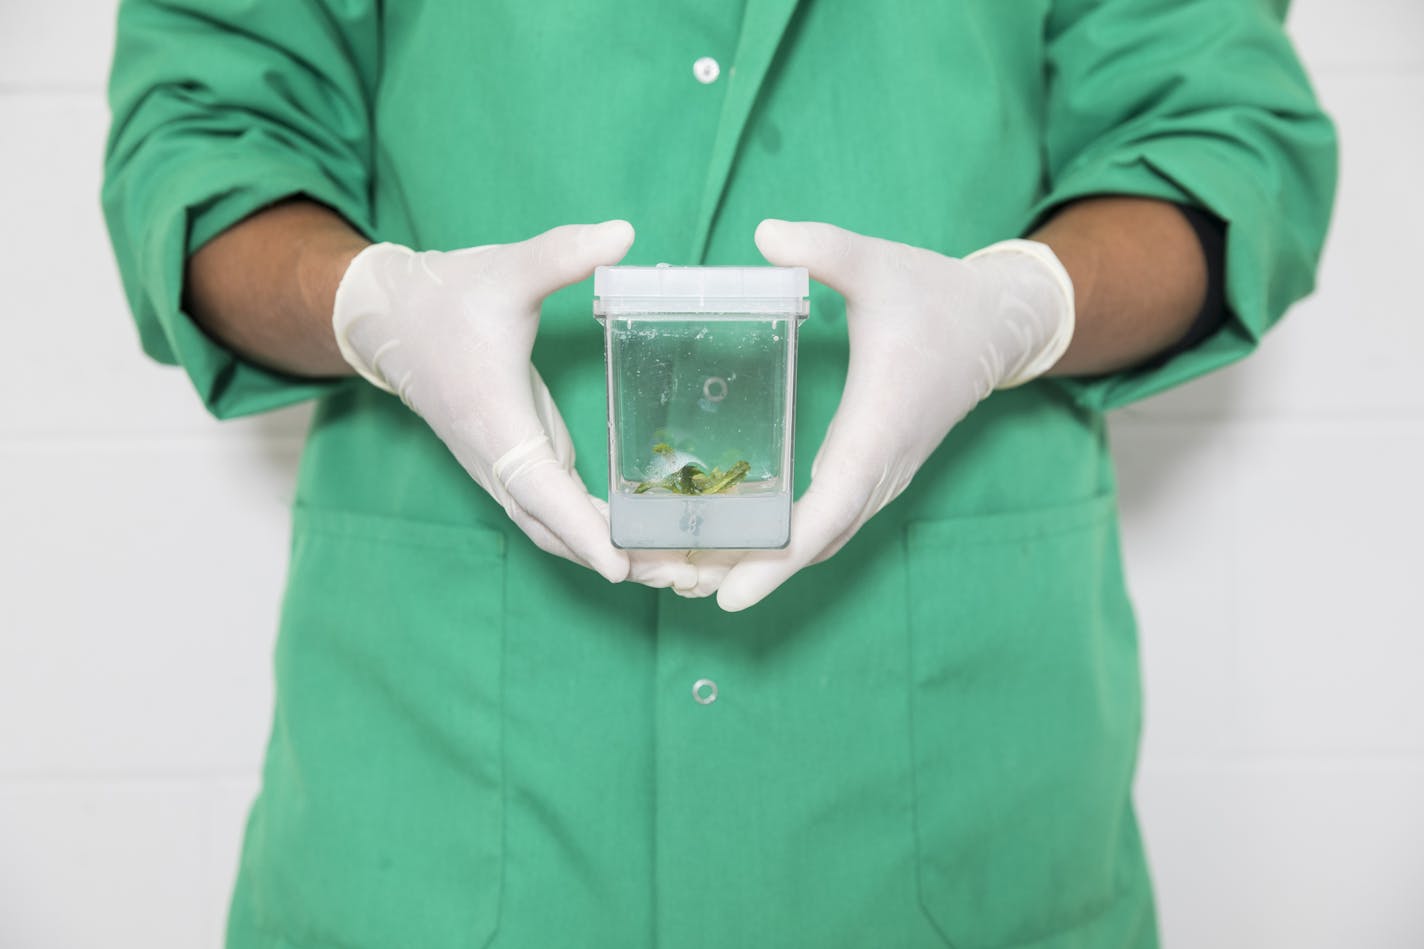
<point x="380" y="820"/>
<point x="1025" y="717"/>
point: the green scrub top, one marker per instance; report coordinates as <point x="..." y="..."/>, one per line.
<point x="928" y="740"/>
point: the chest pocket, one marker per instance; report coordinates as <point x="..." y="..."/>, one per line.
<point x="1024" y="720"/>
<point x="380" y="820"/>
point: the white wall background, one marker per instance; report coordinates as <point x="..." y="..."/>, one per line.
<point x="1274" y="523"/>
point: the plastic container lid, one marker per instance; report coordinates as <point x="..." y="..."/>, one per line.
<point x="704" y="290"/>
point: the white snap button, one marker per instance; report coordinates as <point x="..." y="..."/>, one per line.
<point x="704" y="691"/>
<point x="706" y="70"/>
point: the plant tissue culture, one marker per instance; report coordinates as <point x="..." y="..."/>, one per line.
<point x="700" y="408"/>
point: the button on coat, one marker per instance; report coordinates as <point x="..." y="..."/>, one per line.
<point x="706" y="70"/>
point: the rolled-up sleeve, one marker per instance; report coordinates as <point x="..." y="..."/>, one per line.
<point x="219" y="108"/>
<point x="1205" y="103"/>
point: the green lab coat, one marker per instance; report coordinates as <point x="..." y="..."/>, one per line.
<point x="927" y="741"/>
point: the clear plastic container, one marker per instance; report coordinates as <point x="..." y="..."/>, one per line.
<point x="701" y="403"/>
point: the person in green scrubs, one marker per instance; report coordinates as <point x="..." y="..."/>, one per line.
<point x="926" y="739"/>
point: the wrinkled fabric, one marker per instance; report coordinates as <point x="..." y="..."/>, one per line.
<point x="929" y="739"/>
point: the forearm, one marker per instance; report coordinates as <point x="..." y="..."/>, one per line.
<point x="265" y="286"/>
<point x="1139" y="279"/>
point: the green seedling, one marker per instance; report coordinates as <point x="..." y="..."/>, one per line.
<point x="692" y="479"/>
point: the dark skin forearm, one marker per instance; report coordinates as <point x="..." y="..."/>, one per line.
<point x="266" y="286"/>
<point x="1139" y="280"/>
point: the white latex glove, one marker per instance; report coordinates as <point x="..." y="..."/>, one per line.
<point x="452" y="334"/>
<point x="930" y="336"/>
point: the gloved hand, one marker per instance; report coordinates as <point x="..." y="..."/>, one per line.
<point x="930" y="336"/>
<point x="452" y="334"/>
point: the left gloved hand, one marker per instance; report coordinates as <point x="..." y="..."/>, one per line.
<point x="451" y="333"/>
<point x="930" y="336"/>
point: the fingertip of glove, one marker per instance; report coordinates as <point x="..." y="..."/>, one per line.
<point x="614" y="568"/>
<point x="769" y="237"/>
<point x="685" y="579"/>
<point x="732" y="600"/>
<point x="617" y="233"/>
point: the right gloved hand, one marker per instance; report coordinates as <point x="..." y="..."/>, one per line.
<point x="452" y="334"/>
<point x="930" y="337"/>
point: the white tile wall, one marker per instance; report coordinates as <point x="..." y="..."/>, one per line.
<point x="1330" y="600"/>
<point x="142" y="547"/>
<point x="145" y="575"/>
<point x="1271" y="519"/>
<point x="104" y="863"/>
<point x="1280" y="854"/>
<point x="1364" y="36"/>
<point x="56" y="44"/>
